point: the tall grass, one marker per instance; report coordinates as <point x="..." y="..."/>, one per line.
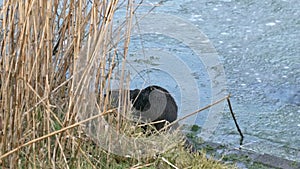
<point x="47" y="50"/>
<point x="40" y="47"/>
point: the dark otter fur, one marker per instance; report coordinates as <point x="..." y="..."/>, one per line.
<point x="150" y="104"/>
<point x="153" y="104"/>
<point x="144" y="106"/>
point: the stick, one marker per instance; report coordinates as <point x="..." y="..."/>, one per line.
<point x="195" y="112"/>
<point x="168" y="162"/>
<point x="54" y="133"/>
<point x="236" y="124"/>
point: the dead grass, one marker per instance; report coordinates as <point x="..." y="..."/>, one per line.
<point x="50" y="51"/>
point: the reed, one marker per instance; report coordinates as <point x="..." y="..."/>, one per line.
<point x="40" y="46"/>
<point x="41" y="56"/>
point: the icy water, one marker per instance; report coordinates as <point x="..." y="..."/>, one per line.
<point x="258" y="45"/>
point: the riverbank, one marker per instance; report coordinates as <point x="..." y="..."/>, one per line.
<point x="246" y="159"/>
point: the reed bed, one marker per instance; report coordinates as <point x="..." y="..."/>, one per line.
<point x="47" y="50"/>
<point x="40" y="47"/>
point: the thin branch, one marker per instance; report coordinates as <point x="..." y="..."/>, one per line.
<point x="168" y="162"/>
<point x="55" y="132"/>
<point x="235" y="121"/>
<point x="195" y="112"/>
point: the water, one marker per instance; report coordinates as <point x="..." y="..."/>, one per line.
<point x="258" y="44"/>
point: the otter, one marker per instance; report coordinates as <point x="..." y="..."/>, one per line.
<point x="153" y="104"/>
<point x="149" y="105"/>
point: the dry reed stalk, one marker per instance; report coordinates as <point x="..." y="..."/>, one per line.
<point x="40" y="45"/>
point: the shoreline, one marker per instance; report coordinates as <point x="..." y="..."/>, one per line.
<point x="244" y="158"/>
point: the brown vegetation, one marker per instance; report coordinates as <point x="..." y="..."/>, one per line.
<point x="49" y="50"/>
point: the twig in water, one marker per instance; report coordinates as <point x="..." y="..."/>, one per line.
<point x="208" y="106"/>
<point x="236" y="124"/>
